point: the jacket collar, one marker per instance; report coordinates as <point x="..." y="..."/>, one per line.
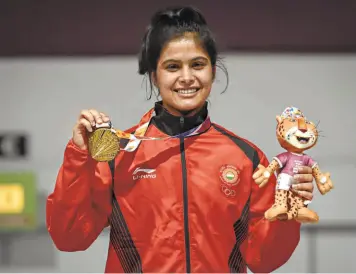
<point x="174" y="125"/>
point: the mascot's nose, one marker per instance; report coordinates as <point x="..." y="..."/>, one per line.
<point x="302" y="126"/>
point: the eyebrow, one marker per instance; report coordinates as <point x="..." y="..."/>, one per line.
<point x="178" y="61"/>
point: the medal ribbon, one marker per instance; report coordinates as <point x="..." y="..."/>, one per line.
<point x="139" y="134"/>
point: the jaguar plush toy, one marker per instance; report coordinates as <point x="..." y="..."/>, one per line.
<point x="295" y="134"/>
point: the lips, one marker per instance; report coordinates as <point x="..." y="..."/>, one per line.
<point x="186" y="91"/>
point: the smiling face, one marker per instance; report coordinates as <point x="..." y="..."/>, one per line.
<point x="296" y="134"/>
<point x="184" y="75"/>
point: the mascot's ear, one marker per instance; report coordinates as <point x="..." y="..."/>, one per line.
<point x="278" y="118"/>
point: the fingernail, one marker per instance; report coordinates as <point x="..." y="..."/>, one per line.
<point x="294" y="186"/>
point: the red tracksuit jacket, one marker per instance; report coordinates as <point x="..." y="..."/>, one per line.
<point x="185" y="204"/>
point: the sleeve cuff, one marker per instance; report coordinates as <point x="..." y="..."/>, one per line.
<point x="278" y="161"/>
<point x="73" y="152"/>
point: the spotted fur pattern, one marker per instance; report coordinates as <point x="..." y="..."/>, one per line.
<point x="294" y="203"/>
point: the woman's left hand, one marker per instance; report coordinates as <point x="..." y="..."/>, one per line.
<point x="303" y="182"/>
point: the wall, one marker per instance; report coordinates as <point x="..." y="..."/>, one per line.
<point x="43" y="97"/>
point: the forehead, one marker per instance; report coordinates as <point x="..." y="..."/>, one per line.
<point x="288" y="121"/>
<point x="183" y="48"/>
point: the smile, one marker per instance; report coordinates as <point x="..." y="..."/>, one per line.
<point x="303" y="140"/>
<point x="186" y="91"/>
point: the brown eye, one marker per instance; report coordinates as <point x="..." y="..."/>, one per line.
<point x="172" y="67"/>
<point x="198" y="65"/>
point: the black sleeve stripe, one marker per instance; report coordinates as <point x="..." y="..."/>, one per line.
<point x="236" y="261"/>
<point x="249" y="151"/>
<point x="120" y="236"/>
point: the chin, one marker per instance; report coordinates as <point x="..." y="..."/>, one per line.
<point x="189" y="106"/>
<point x="190" y="103"/>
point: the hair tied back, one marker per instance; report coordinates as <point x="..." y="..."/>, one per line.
<point x="178" y="16"/>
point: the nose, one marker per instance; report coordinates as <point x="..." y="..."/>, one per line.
<point x="187" y="77"/>
<point x="302" y="126"/>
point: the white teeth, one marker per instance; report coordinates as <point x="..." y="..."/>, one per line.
<point x="187" y="91"/>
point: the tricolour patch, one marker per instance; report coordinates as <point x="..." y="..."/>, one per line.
<point x="229" y="175"/>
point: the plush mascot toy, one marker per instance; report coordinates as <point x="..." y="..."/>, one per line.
<point x="296" y="135"/>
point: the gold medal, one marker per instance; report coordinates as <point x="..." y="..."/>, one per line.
<point x="103" y="144"/>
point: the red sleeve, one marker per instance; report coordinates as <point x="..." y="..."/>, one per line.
<point x="269" y="245"/>
<point x="78" y="209"/>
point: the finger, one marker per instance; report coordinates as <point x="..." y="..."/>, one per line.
<point x="264" y="182"/>
<point x="259" y="180"/>
<point x="329" y="185"/>
<point x="304" y="186"/>
<point x="87" y="115"/>
<point x="325" y="190"/>
<point x="303" y="178"/>
<point x="97" y="116"/>
<point x="305" y="170"/>
<point x="85" y="123"/>
<point x="305" y="194"/>
<point x="257" y="174"/>
<point x="104" y="117"/>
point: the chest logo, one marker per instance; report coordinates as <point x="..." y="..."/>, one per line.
<point x="229" y="175"/>
<point x="143" y="173"/>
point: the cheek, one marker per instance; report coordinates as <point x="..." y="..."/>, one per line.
<point x="311" y="128"/>
<point x="205" y="78"/>
<point x="166" y="80"/>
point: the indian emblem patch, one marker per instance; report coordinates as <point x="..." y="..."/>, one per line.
<point x="229" y="175"/>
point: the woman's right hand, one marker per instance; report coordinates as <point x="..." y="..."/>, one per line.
<point x="87" y="120"/>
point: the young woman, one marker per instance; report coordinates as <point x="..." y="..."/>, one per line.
<point x="183" y="204"/>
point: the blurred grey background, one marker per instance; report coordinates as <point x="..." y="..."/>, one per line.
<point x="57" y="58"/>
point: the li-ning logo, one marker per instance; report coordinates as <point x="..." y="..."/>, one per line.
<point x="143" y="173"/>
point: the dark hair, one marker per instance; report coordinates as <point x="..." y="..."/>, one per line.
<point x="169" y="24"/>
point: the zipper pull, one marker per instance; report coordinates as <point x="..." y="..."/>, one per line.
<point x="181" y="120"/>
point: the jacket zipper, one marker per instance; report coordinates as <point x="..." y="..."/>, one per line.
<point x="185" y="200"/>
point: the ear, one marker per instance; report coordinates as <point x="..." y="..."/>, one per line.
<point x="278" y="118"/>
<point x="154" y="78"/>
